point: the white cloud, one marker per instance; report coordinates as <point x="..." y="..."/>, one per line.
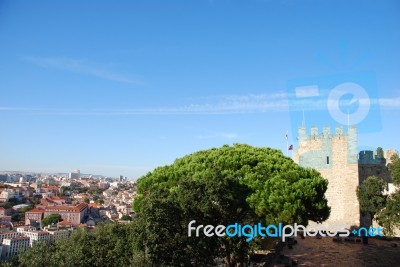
<point x="390" y="103"/>
<point x="233" y="104"/>
<point x="307" y="91"/>
<point x="80" y="66"/>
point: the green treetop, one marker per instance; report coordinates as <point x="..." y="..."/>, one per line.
<point x="238" y="183"/>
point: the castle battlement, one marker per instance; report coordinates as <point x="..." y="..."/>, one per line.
<point x="326" y="133"/>
<point x="320" y="145"/>
<point x="370" y="157"/>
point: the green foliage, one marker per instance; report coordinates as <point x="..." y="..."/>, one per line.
<point x="25" y="209"/>
<point x="75" y="189"/>
<point x="126" y="218"/>
<point x="221" y="200"/>
<point x="13" y="201"/>
<point x="99" y="201"/>
<point x="51" y="219"/>
<point x="231" y="184"/>
<point x="35" y="201"/>
<point x="96" y="191"/>
<point x="40" y="254"/>
<point x="17" y="217"/>
<point x="394" y="168"/>
<point x="379" y="153"/>
<point x="282" y="191"/>
<point x="370" y="195"/>
<point x="389" y="218"/>
<point x="8" y="205"/>
<point x="107" y="245"/>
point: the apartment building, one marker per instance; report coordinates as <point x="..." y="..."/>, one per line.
<point x="72" y="214"/>
<point x="13" y="246"/>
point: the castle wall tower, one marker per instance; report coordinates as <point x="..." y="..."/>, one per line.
<point x="335" y="156"/>
<point x="369" y="164"/>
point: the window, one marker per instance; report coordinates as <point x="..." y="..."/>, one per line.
<point x="327" y="160"/>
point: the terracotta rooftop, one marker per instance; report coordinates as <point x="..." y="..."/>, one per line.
<point x="65" y="223"/>
<point x="77" y="208"/>
<point x="36" y="210"/>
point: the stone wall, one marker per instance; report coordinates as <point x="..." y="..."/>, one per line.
<point x="335" y="157"/>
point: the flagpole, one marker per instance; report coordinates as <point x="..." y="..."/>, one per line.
<point x="348" y="119"/>
<point x="287" y="144"/>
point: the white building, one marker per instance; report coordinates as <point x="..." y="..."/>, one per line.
<point x="56" y="234"/>
<point x="34" y="236"/>
<point x="8" y="234"/>
<point x="13" y="246"/>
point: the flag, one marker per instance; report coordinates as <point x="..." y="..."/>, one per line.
<point x="290" y="147"/>
<point x="287" y="136"/>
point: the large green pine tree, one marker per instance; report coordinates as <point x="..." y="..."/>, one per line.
<point x="230" y="184"/>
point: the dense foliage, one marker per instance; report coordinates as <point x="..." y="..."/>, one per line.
<point x="370" y="195"/>
<point x="107" y="245"/>
<point x="230" y="184"/>
<point x="51" y="219"/>
<point x="382" y="207"/>
<point x="389" y="217"/>
<point x="395" y="169"/>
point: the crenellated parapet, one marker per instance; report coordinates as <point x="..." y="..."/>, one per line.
<point x="318" y="146"/>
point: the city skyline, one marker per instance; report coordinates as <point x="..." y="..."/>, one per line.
<point x="121" y="89"/>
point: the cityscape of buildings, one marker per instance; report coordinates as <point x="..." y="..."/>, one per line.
<point x="82" y="202"/>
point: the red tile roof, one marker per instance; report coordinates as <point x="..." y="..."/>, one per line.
<point x="36" y="210"/>
<point x="65" y="223"/>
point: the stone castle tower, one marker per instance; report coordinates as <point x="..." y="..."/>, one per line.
<point x="371" y="164"/>
<point x="335" y="156"/>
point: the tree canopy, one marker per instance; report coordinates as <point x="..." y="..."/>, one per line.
<point x="370" y="196"/>
<point x="107" y="245"/>
<point x="394" y="168"/>
<point x="389" y="217"/>
<point x="50" y="219"/>
<point x="238" y="183"/>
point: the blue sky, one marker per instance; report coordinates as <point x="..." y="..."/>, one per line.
<point x="118" y="89"/>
